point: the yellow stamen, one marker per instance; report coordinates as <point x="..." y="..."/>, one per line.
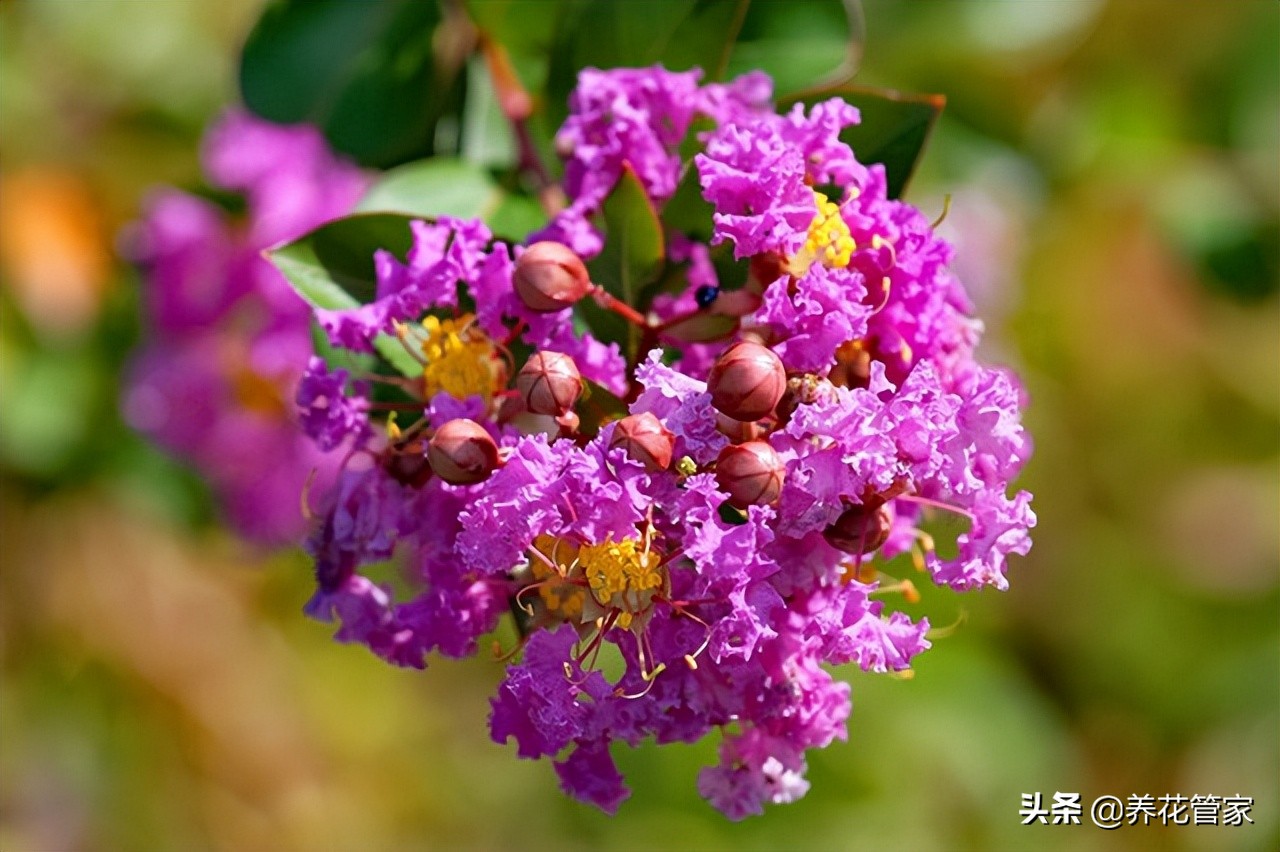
<point x="560" y="595"/>
<point x="829" y="242"/>
<point x="460" y="359"/>
<point x="621" y="575"/>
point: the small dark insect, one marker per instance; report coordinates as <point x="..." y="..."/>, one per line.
<point x="705" y="295"/>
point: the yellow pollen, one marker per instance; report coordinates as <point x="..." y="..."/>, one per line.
<point x="461" y="360"/>
<point x="829" y="242"/>
<point x="560" y="595"/>
<point x="621" y="575"/>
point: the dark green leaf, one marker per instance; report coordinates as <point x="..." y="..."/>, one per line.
<point x="702" y="327"/>
<point x="525" y="30"/>
<point x="367" y="73"/>
<point x="732" y="516"/>
<point x="801" y="44"/>
<point x="634" y="248"/>
<point x="597" y="407"/>
<point x="633" y="255"/>
<point x="332" y="268"/>
<point x="893" y="131"/>
<point x="687" y="211"/>
<point x="680" y="34"/>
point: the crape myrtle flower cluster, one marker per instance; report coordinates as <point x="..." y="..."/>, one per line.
<point x="719" y="539"/>
<point x="215" y="384"/>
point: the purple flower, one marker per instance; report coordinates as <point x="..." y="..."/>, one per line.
<point x="538" y="704"/>
<point x="329" y="416"/>
<point x="590" y="775"/>
<point x="230" y="338"/>
<point x="684" y="405"/>
<point x="634" y="116"/>
<point x="716" y="617"/>
<point x="756" y="216"/>
<point x="753" y="770"/>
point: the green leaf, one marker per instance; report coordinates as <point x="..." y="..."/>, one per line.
<point x="486" y="135"/>
<point x="894" y="130"/>
<point x="801" y="44"/>
<point x="634" y="249"/>
<point x="516" y="217"/>
<point x="525" y="30"/>
<point x="680" y="34"/>
<point x="687" y="211"/>
<point x="702" y="327"/>
<point x="440" y="186"/>
<point x="633" y="255"/>
<point x="367" y="73"/>
<point x="446" y="186"/>
<point x="332" y="268"/>
<point x="597" y="407"/>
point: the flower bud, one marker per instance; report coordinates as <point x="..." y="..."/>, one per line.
<point x="549" y="383"/>
<point x="408" y="466"/>
<point x="462" y="452"/>
<point x="860" y="530"/>
<point x="549" y="277"/>
<point x="750" y="473"/>
<point x="569" y="423"/>
<point x="645" y="439"/>
<point x="747" y="381"/>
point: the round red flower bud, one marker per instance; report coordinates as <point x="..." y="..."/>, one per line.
<point x="750" y="473"/>
<point x="549" y="277"/>
<point x="461" y="452"/>
<point x="645" y="439"/>
<point x="860" y="530"/>
<point x="549" y="383"/>
<point x="747" y="381"/>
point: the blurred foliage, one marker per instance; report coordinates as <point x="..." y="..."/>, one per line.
<point x="1113" y="173"/>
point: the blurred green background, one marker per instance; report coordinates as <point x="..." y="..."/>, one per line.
<point x="1112" y="168"/>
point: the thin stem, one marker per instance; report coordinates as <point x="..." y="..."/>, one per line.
<point x="925" y="501"/>
<point x="607" y="301"/>
<point x="517" y="106"/>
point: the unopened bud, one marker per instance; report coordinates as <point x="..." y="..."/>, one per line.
<point x="860" y="530"/>
<point x="549" y="277"/>
<point x="750" y="473"/>
<point x="747" y="381"/>
<point x="645" y="439"/>
<point x="510" y="407"/>
<point x="569" y="423"/>
<point x="549" y="383"/>
<point x="408" y="466"/>
<point x="462" y="452"/>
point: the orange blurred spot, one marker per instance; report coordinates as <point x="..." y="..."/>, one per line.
<point x="53" y="250"/>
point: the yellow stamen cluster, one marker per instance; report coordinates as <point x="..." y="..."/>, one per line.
<point x="829" y="242"/>
<point x="559" y="594"/>
<point x="460" y="359"/>
<point x="623" y="575"/>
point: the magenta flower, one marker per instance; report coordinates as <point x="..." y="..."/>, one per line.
<point x="732" y="537"/>
<point x="230" y="339"/>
